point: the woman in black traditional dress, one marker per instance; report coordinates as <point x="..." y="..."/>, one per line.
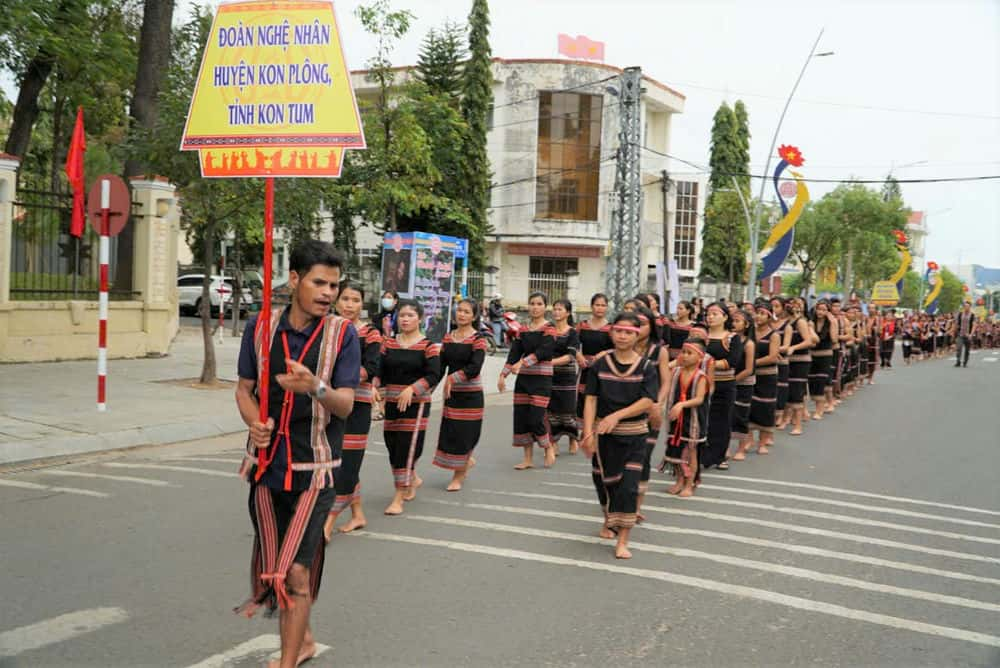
<point x="562" y="405"/>
<point x="676" y="331"/>
<point x="798" y="341"/>
<point x="825" y="330"/>
<point x="530" y="359"/>
<point x="463" y="351"/>
<point x="621" y="389"/>
<point x="780" y="324"/>
<point x="727" y="352"/>
<point x="872" y="330"/>
<point x="410" y="369"/>
<point x="350" y="302"/>
<point x="765" y="390"/>
<point x="745" y="379"/>
<point x="595" y="337"/>
<point x="651" y="348"/>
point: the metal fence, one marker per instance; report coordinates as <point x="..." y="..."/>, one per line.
<point x="47" y="263"/>
<point x="476" y="285"/>
<point x="555" y="286"/>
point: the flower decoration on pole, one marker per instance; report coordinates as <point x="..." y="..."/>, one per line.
<point x="905" y="259"/>
<point x="783" y="234"/>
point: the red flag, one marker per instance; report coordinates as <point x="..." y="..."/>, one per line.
<point x="581" y="47"/>
<point x="74" y="172"/>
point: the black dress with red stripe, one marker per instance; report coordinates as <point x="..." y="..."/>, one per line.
<point x="419" y="366"/>
<point x="462" y="418"/>
<point x="562" y="404"/>
<point x="359" y="422"/>
<point x="533" y="389"/>
<point x="592" y="341"/>
<point x="618" y="462"/>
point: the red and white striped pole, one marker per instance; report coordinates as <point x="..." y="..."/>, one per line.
<point x="102" y="327"/>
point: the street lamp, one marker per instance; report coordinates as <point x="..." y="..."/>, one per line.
<point x="759" y="208"/>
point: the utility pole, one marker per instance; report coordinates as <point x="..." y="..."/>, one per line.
<point x="668" y="242"/>
<point x="624" y="260"/>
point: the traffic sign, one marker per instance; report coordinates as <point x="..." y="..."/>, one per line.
<point x="119" y="207"/>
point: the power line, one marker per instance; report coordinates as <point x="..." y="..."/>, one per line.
<point x="950" y="179"/>
<point x="569" y="113"/>
<point x="561" y="90"/>
<point x="550" y="174"/>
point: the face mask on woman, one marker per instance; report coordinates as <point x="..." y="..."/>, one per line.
<point x="388" y="303"/>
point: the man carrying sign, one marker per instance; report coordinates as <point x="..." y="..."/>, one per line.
<point x="292" y="457"/>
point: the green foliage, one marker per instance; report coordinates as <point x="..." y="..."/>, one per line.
<point x="910" y="298"/>
<point x="725" y="237"/>
<point x="439" y="64"/>
<point x="891" y="190"/>
<point x="951" y="292"/>
<point x="850" y="218"/>
<point x="477" y="101"/>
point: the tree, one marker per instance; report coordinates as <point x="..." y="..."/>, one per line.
<point x="477" y="102"/>
<point x="210" y="207"/>
<point x="910" y="298"/>
<point x="725" y="236"/>
<point x="951" y="292"/>
<point x="891" y="190"/>
<point x="439" y="64"/>
<point x="849" y="217"/>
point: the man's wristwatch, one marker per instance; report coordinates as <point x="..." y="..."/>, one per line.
<point x="319" y="392"/>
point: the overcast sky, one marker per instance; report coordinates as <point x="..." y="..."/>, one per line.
<point x="910" y="81"/>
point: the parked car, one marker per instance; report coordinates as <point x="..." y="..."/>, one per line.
<point x="220" y="292"/>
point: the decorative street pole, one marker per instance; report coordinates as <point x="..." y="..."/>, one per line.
<point x="759" y="207"/>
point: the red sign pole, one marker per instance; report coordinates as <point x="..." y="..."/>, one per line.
<point x="102" y="327"/>
<point x="264" y="320"/>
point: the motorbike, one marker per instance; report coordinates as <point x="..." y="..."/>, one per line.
<point x="512" y="327"/>
<point x="487" y="333"/>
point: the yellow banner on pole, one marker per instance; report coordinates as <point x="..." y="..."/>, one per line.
<point x="273" y="96"/>
<point x="885" y="293"/>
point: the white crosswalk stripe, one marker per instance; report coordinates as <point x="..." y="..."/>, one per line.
<point x="815" y="514"/>
<point x="739" y="562"/>
<point x="990" y="359"/>
<point x="98" y="476"/>
<point x="263" y="646"/>
<point x="169" y="467"/>
<point x="713" y="487"/>
<point x="58" y="629"/>
<point x="794" y="602"/>
<point x="24" y="484"/>
<point x="736" y="538"/>
<point x="783" y="526"/>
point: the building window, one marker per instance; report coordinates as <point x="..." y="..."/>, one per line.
<point x="549" y="275"/>
<point x="686" y="224"/>
<point x="569" y="156"/>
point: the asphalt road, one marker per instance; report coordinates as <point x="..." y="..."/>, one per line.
<point x="874" y="540"/>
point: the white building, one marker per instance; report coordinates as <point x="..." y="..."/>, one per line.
<point x="552" y="141"/>
<point x="916" y="230"/>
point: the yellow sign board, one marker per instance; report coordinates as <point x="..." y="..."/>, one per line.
<point x="273" y="96"/>
<point x="885" y="293"/>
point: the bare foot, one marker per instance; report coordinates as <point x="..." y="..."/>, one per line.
<point x="355" y="523"/>
<point x="328" y="527"/>
<point x="411" y="493"/>
<point x="306" y="652"/>
<point x="686" y="492"/>
<point x="622" y="552"/>
<point x="606" y="533"/>
<point x="394" y="508"/>
<point x="817" y="416"/>
<point x="574" y="447"/>
<point x="829" y="409"/>
<point x="456" y="482"/>
<point x="740" y="455"/>
<point x="676" y="488"/>
<point x="762" y="450"/>
<point x="523" y="466"/>
<point x="639" y="517"/>
<point x="550" y="457"/>
<point x="796" y="432"/>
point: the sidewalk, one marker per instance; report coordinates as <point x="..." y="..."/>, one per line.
<point x="50" y="409"/>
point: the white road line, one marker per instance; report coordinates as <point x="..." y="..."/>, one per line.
<point x="768" y="567"/>
<point x="838" y="490"/>
<point x="48" y="632"/>
<point x="832" y="502"/>
<point x="783" y="526"/>
<point x="100" y="476"/>
<point x="735" y="538"/>
<point x="23" y="484"/>
<point x="860" y="521"/>
<point x="167" y="467"/>
<point x="219" y="460"/>
<point x="266" y="643"/>
<point x="990" y="359"/>
<point x="710" y="585"/>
